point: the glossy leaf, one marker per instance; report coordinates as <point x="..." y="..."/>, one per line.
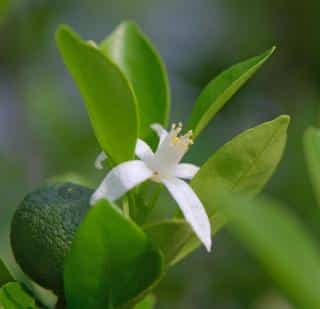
<point x="128" y="47"/>
<point x="111" y="261"/>
<point x="243" y="165"/>
<point x="281" y="244"/>
<point x="109" y="98"/>
<point x="312" y="153"/>
<point x="221" y="89"/>
<point x="13" y="296"/>
<point x="5" y="275"/>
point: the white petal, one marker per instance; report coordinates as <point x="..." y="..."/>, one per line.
<point x="143" y="150"/>
<point x="99" y="160"/>
<point x="121" y="179"/>
<point x="160" y="130"/>
<point x="192" y="209"/>
<point x="185" y="170"/>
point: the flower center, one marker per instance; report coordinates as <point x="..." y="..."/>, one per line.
<point x="182" y="141"/>
<point x="170" y="151"/>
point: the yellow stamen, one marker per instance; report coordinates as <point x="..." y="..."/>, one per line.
<point x="184" y="140"/>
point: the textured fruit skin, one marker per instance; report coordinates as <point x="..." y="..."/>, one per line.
<point x="43" y="228"/>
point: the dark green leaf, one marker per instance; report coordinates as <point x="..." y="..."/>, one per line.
<point x="176" y="239"/>
<point x="312" y="153"/>
<point x="282" y="245"/>
<point x="128" y="47"/>
<point x="5" y="275"/>
<point x="108" y="96"/>
<point x="111" y="261"/>
<point x="221" y="89"/>
<point x="13" y="296"/>
<point x="168" y="235"/>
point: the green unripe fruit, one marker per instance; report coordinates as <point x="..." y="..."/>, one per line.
<point x="43" y="228"/>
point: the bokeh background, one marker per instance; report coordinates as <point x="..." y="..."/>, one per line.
<point x="44" y="129"/>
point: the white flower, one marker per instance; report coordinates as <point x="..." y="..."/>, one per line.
<point x="162" y="166"/>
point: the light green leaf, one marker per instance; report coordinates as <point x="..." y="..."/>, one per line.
<point x="5" y="275"/>
<point x="148" y="302"/>
<point x="312" y="153"/>
<point x="243" y="165"/>
<point x="221" y="89"/>
<point x="109" y="98"/>
<point x="281" y="244"/>
<point x="111" y="261"/>
<point x="128" y="47"/>
<point x="13" y="296"/>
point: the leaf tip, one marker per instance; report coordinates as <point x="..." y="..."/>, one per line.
<point x="126" y="26"/>
<point x="129" y="23"/>
<point x="62" y="28"/>
<point x="268" y="53"/>
<point x="284" y="120"/>
<point x="272" y="49"/>
<point x="64" y="32"/>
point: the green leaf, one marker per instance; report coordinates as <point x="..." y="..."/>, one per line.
<point x="175" y="238"/>
<point x="111" y="261"/>
<point x="168" y="235"/>
<point x="5" y="275"/>
<point x="221" y="89"/>
<point x="243" y="165"/>
<point x="281" y="244"/>
<point x="128" y="47"/>
<point x="13" y="296"/>
<point x="148" y="302"/>
<point x="312" y="153"/>
<point x="109" y="98"/>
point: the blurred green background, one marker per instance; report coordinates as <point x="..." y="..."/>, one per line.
<point x="44" y="129"/>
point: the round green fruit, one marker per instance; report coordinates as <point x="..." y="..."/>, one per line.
<point x="43" y="228"/>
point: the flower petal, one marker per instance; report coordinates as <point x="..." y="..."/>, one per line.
<point x="143" y="150"/>
<point x="192" y="208"/>
<point x="185" y="170"/>
<point x="121" y="179"/>
<point x="160" y="130"/>
<point x="99" y="160"/>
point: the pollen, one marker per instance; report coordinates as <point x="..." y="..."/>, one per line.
<point x="182" y="140"/>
